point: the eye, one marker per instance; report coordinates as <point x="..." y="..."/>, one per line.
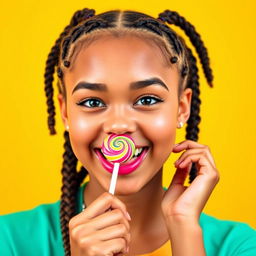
<point x="149" y="100"/>
<point x="91" y="103"/>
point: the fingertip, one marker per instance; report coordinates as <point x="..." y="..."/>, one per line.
<point x="108" y="195"/>
<point x="176" y="150"/>
<point x="128" y="216"/>
<point x="176" y="146"/>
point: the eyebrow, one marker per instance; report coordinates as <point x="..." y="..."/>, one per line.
<point x="133" y="86"/>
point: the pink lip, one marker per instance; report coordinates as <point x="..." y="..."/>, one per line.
<point x="124" y="168"/>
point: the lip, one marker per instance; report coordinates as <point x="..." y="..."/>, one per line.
<point x="124" y="168"/>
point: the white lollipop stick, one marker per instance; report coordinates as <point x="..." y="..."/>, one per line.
<point x="114" y="178"/>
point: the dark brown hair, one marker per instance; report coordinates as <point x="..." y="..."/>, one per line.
<point x="83" y="29"/>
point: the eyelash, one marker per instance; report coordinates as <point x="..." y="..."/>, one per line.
<point x="145" y="96"/>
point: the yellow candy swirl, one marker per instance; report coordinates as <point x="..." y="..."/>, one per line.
<point x="118" y="148"/>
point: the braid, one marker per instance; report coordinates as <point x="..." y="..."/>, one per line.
<point x="159" y="28"/>
<point x="52" y="61"/>
<point x="192" y="129"/>
<point x="174" y="18"/>
<point x="81" y="15"/>
<point x="71" y="181"/>
<point x="84" y="28"/>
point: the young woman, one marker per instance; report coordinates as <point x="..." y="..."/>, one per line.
<point x="124" y="72"/>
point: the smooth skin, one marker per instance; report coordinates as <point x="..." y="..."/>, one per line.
<point x="150" y="116"/>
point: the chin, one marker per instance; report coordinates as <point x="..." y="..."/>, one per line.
<point x="124" y="192"/>
<point x="125" y="188"/>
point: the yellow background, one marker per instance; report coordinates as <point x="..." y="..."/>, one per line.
<point x="31" y="159"/>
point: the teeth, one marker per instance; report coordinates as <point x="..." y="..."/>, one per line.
<point x="137" y="151"/>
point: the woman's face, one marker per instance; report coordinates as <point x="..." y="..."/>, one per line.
<point x="149" y="114"/>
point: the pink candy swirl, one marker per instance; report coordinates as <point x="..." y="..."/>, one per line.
<point x="118" y="148"/>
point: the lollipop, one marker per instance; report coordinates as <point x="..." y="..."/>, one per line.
<point x="117" y="149"/>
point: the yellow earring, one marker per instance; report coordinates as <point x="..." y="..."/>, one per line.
<point x="67" y="128"/>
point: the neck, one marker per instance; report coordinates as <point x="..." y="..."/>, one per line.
<point x="143" y="206"/>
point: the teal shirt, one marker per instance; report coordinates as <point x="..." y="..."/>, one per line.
<point x="38" y="232"/>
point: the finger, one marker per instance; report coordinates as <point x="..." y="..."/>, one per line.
<point x="187" y="144"/>
<point x="198" y="193"/>
<point x="188" y="152"/>
<point x="116" y="231"/>
<point x="200" y="189"/>
<point x="176" y="187"/>
<point x="203" y="165"/>
<point x="173" y="193"/>
<point x="202" y="162"/>
<point x="180" y="175"/>
<point x="103" y="221"/>
<point x="110" y="218"/>
<point x="117" y="245"/>
<point x="98" y="207"/>
<point x="209" y="154"/>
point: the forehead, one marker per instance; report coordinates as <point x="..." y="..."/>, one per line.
<point x="126" y="57"/>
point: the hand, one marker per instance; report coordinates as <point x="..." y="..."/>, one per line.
<point x="186" y="203"/>
<point x="98" y="231"/>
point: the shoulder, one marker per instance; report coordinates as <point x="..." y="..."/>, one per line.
<point x="38" y="228"/>
<point x="40" y="212"/>
<point x="226" y="237"/>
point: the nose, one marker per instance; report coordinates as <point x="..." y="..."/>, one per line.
<point x="119" y="121"/>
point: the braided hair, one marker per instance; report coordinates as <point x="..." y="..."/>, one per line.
<point x="84" y="27"/>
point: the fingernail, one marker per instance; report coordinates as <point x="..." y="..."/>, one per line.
<point x="177" y="161"/>
<point x="127" y="250"/>
<point x="128" y="216"/>
<point x="182" y="163"/>
<point x="175" y="145"/>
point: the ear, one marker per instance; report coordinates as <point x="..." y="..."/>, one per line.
<point x="63" y="110"/>
<point x="184" y="106"/>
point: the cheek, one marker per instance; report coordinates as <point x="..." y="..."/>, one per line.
<point x="162" y="124"/>
<point x="82" y="131"/>
<point x="161" y="130"/>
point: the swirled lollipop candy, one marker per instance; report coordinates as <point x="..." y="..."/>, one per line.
<point x="117" y="149"/>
